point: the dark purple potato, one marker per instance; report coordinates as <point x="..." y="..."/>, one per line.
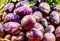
<point x="1" y="30"/>
<point x="12" y="27"/>
<point x="28" y="22"/>
<point x="22" y="11"/>
<point x="40" y="27"/>
<point x="54" y="18"/>
<point x="56" y="7"/>
<point x="19" y="37"/>
<point x="49" y="37"/>
<point x="50" y="29"/>
<point x="57" y="32"/>
<point x="44" y="22"/>
<point x="38" y="1"/>
<point x="22" y="3"/>
<point x="44" y="8"/>
<point x="37" y="15"/>
<point x="8" y="36"/>
<point x="9" y="7"/>
<point x="35" y="8"/>
<point x="34" y="35"/>
<point x="11" y="17"/>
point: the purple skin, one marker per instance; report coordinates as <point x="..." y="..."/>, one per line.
<point x="44" y="8"/>
<point x="49" y="28"/>
<point x="28" y="22"/>
<point x="44" y="22"/>
<point x="19" y="37"/>
<point x="49" y="37"/>
<point x="1" y="28"/>
<point x="34" y="35"/>
<point x="35" y="8"/>
<point x="9" y="7"/>
<point x="56" y="8"/>
<point x="57" y="33"/>
<point x="12" y="27"/>
<point x="22" y="3"/>
<point x="22" y="11"/>
<point x="38" y="1"/>
<point x="40" y="27"/>
<point x="54" y="18"/>
<point x="11" y="17"/>
<point x="37" y="15"/>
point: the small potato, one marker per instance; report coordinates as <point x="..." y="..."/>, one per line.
<point x="28" y="22"/>
<point x="34" y="35"/>
<point x="49" y="37"/>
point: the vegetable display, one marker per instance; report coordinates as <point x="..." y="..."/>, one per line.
<point x="29" y="20"/>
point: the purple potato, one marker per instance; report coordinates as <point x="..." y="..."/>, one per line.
<point x="57" y="32"/>
<point x="19" y="37"/>
<point x="54" y="18"/>
<point x="40" y="27"/>
<point x="12" y="27"/>
<point x="49" y="37"/>
<point x="38" y="1"/>
<point x="49" y="28"/>
<point x="35" y="8"/>
<point x="37" y="15"/>
<point x="9" y="7"/>
<point x="22" y="11"/>
<point x="34" y="35"/>
<point x="11" y="17"/>
<point x="44" y="8"/>
<point x="28" y="22"/>
<point x="44" y="22"/>
<point x="22" y="3"/>
<point x="56" y="7"/>
<point x="1" y="30"/>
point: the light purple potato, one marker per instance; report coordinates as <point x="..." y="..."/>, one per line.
<point x="57" y="33"/>
<point x="1" y="30"/>
<point x="12" y="27"/>
<point x="37" y="15"/>
<point x="44" y="8"/>
<point x="19" y="37"/>
<point x="56" y="7"/>
<point x="28" y="22"/>
<point x="44" y="22"/>
<point x="49" y="37"/>
<point x="9" y="7"/>
<point x="11" y="17"/>
<point x="54" y="18"/>
<point x="34" y="35"/>
<point x="22" y="11"/>
<point x="40" y="27"/>
<point x="50" y="28"/>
